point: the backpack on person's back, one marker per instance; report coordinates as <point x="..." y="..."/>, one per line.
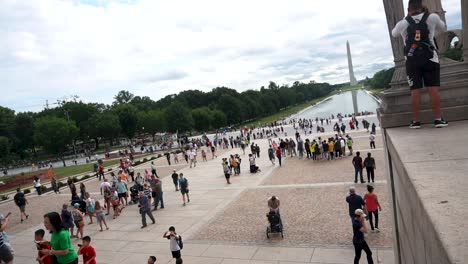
<point x="19" y="199"/>
<point x="418" y="46"/>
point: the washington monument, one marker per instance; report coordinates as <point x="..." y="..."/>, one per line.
<point x="352" y="79"/>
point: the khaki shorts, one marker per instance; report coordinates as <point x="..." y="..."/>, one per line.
<point x="22" y="208"/>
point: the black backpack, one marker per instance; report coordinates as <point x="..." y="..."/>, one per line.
<point x="418" y="47"/>
<point x="19" y="199"/>
<point x="180" y="243"/>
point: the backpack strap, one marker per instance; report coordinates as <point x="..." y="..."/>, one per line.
<point x="410" y="20"/>
<point x="424" y="18"/>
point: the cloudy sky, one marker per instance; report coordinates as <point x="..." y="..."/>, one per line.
<point x="53" y="49"/>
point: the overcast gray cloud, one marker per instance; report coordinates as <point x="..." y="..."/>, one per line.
<point x="50" y="49"/>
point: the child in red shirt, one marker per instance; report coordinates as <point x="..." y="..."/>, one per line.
<point x="40" y="245"/>
<point x="88" y="252"/>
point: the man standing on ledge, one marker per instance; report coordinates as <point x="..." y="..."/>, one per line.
<point x="422" y="62"/>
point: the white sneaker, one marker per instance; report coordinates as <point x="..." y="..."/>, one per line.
<point x="372" y="231"/>
<point x="377" y="230"/>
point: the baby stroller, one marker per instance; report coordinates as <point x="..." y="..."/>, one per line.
<point x="276" y="225"/>
<point x="134" y="194"/>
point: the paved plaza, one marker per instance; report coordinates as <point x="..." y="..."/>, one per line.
<point x="226" y="223"/>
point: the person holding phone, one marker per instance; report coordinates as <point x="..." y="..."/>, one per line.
<point x="175" y="242"/>
<point x="359" y="242"/>
<point x="6" y="254"/>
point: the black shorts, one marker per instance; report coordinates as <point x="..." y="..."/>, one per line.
<point x="176" y="254"/>
<point x="122" y="195"/>
<point x="184" y="191"/>
<point x="423" y="75"/>
<point x="227" y="175"/>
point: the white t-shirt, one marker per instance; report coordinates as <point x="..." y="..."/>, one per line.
<point x="173" y="243"/>
<point x="37" y="183"/>
<point x="105" y="185"/>
<point x="434" y="24"/>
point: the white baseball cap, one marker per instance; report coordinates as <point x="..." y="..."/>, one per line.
<point x="360" y="212"/>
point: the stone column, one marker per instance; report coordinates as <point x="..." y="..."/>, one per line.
<point x="442" y="39"/>
<point x="464" y="14"/>
<point x="394" y="12"/>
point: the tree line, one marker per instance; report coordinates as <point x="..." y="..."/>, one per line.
<point x="53" y="130"/>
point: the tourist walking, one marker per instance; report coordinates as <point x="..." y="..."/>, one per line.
<point x="175" y="243"/>
<point x="349" y="143"/>
<point x="373" y="208"/>
<point x="418" y="29"/>
<point x="354" y="201"/>
<point x="62" y="247"/>
<point x="21" y="201"/>
<point x="55" y="187"/>
<point x="67" y="218"/>
<point x="78" y="219"/>
<point x="82" y="191"/>
<point x="271" y="155"/>
<point x="37" y="185"/>
<point x="184" y="188"/>
<point x="175" y="180"/>
<point x="192" y="157"/>
<point x="122" y="191"/>
<point x="100" y="216"/>
<point x="226" y="170"/>
<point x="159" y="195"/>
<point x="372" y="141"/>
<point x="145" y="209"/>
<point x="88" y="251"/>
<point x="357" y="163"/>
<point x="369" y="163"/>
<point x="279" y="155"/>
<point x="153" y="169"/>
<point x="359" y="242"/>
<point x="74" y="194"/>
<point x="90" y="206"/>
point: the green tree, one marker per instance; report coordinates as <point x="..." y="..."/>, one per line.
<point x="24" y="133"/>
<point x="4" y="151"/>
<point x="219" y="119"/>
<point x="123" y="97"/>
<point x="202" y="118"/>
<point x="178" y="117"/>
<point x="382" y="79"/>
<point x="80" y="113"/>
<point x="105" y="125"/>
<point x="455" y="52"/>
<point x="152" y="122"/>
<point x="54" y="134"/>
<point x="7" y="118"/>
<point x="143" y="103"/>
<point x="231" y="107"/>
<point x="128" y="118"/>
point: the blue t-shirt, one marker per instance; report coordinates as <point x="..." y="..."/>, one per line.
<point x="183" y="183"/>
<point x="121" y="187"/>
<point x="358" y="236"/>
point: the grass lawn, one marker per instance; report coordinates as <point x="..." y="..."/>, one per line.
<point x="62" y="172"/>
<point x="283" y="113"/>
<point x="376" y="91"/>
<point x="351" y="88"/>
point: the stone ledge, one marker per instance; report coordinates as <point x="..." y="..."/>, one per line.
<point x="429" y="172"/>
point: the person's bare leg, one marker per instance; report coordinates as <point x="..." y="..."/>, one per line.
<point x="416" y="104"/>
<point x="435" y="101"/>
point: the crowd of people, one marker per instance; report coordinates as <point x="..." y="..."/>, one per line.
<point x="122" y="188"/>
